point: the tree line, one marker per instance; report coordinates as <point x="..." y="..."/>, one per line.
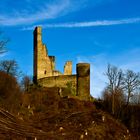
<point x="121" y="97"/>
<point x="11" y="67"/>
<point x="124" y="85"/>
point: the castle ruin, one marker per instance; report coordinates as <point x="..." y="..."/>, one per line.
<point x="46" y="75"/>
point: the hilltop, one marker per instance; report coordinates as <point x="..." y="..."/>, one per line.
<point x="44" y="115"/>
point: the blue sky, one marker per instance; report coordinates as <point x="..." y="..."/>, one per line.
<point x="94" y="31"/>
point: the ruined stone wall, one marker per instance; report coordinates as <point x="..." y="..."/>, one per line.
<point x="68" y="68"/>
<point x="46" y="75"/>
<point x="52" y="59"/>
<point x="80" y="82"/>
<point x="57" y="73"/>
<point x="42" y="63"/>
<point x="58" y="81"/>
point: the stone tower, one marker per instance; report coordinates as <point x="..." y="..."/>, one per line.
<point x="83" y="80"/>
<point x="43" y="64"/>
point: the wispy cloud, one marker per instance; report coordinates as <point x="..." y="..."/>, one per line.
<point x="31" y="12"/>
<point x="89" y="24"/>
<point x="94" y="23"/>
<point x="27" y="16"/>
<point x="34" y="11"/>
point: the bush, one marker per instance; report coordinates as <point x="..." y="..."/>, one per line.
<point x="9" y="92"/>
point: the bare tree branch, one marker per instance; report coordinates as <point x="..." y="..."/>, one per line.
<point x="3" y="43"/>
<point x="131" y="83"/>
<point x="115" y="77"/>
<point x="10" y="67"/>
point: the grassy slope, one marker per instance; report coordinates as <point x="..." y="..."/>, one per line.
<point x="51" y="117"/>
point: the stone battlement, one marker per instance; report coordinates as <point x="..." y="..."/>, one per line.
<point x="46" y="75"/>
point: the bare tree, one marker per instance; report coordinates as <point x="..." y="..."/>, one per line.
<point x="3" y="43"/>
<point x="9" y="67"/>
<point x="118" y="101"/>
<point x="26" y="82"/>
<point x="136" y="98"/>
<point x="115" y="84"/>
<point x="131" y="83"/>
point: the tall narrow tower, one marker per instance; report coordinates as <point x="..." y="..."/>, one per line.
<point x="42" y="62"/>
<point x="37" y="41"/>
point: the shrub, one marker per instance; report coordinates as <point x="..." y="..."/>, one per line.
<point x="9" y="92"/>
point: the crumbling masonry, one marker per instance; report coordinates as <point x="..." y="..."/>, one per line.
<point x="46" y="75"/>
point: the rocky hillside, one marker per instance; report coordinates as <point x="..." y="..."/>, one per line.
<point x="52" y="117"/>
